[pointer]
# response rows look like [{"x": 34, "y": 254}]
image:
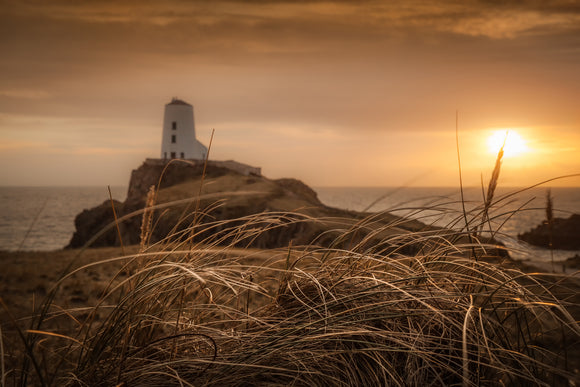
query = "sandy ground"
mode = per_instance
[{"x": 27, "y": 277}]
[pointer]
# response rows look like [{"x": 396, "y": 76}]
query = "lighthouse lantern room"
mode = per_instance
[{"x": 178, "y": 139}]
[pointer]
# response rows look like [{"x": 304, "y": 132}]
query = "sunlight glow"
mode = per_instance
[{"x": 514, "y": 143}]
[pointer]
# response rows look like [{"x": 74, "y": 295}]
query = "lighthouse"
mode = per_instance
[{"x": 178, "y": 139}]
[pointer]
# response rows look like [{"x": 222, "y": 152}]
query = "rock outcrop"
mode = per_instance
[
  {"x": 227, "y": 194},
  {"x": 572, "y": 262},
  {"x": 563, "y": 233}
]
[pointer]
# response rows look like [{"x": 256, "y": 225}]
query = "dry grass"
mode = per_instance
[
  {"x": 353, "y": 307},
  {"x": 211, "y": 314}
]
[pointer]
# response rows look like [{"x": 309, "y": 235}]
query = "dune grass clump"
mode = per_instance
[{"x": 214, "y": 312}]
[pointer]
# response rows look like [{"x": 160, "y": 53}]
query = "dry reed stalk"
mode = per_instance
[
  {"x": 550, "y": 221},
  {"x": 491, "y": 190},
  {"x": 32, "y": 225},
  {"x": 285, "y": 276},
  {"x": 474, "y": 255},
  {"x": 2, "y": 363},
  {"x": 116, "y": 220},
  {"x": 465, "y": 353},
  {"x": 549, "y": 207},
  {"x": 493, "y": 181},
  {"x": 147, "y": 219},
  {"x": 198, "y": 201}
]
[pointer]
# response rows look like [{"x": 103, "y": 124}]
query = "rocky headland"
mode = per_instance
[
  {"x": 562, "y": 234},
  {"x": 229, "y": 191}
]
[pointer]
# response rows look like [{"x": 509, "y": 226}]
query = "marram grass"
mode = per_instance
[{"x": 200, "y": 309}]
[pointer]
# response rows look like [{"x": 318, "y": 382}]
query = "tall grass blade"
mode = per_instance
[
  {"x": 116, "y": 220},
  {"x": 492, "y": 187},
  {"x": 550, "y": 222},
  {"x": 32, "y": 224},
  {"x": 2, "y": 361},
  {"x": 147, "y": 219},
  {"x": 461, "y": 183}
]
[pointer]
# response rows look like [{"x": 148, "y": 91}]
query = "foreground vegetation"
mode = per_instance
[
  {"x": 364, "y": 303},
  {"x": 183, "y": 312}
]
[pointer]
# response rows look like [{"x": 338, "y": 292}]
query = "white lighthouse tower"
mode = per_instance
[{"x": 178, "y": 139}]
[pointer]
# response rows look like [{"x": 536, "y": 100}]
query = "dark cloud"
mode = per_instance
[
  {"x": 557, "y": 6},
  {"x": 362, "y": 15},
  {"x": 343, "y": 63}
]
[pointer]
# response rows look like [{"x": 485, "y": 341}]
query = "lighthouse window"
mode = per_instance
[
  {"x": 182, "y": 155},
  {"x": 174, "y": 125},
  {"x": 173, "y": 138}
]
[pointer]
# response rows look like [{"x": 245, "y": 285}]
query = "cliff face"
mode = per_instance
[
  {"x": 90, "y": 222},
  {"x": 227, "y": 194},
  {"x": 149, "y": 173}
]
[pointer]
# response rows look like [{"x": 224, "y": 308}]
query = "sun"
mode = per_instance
[{"x": 514, "y": 143}]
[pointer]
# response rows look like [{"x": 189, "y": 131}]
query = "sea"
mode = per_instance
[{"x": 42, "y": 218}]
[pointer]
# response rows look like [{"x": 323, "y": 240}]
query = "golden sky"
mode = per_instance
[{"x": 341, "y": 93}]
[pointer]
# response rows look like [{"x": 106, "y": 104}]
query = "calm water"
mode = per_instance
[{"x": 42, "y": 218}]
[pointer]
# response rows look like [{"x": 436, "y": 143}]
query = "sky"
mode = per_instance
[{"x": 334, "y": 93}]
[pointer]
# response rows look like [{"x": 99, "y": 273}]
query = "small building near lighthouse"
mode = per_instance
[{"x": 179, "y": 141}]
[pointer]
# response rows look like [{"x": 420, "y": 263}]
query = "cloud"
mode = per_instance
[
  {"x": 78, "y": 37},
  {"x": 107, "y": 151},
  {"x": 7, "y": 145},
  {"x": 31, "y": 121},
  {"x": 337, "y": 18},
  {"x": 508, "y": 24},
  {"x": 25, "y": 93}
]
